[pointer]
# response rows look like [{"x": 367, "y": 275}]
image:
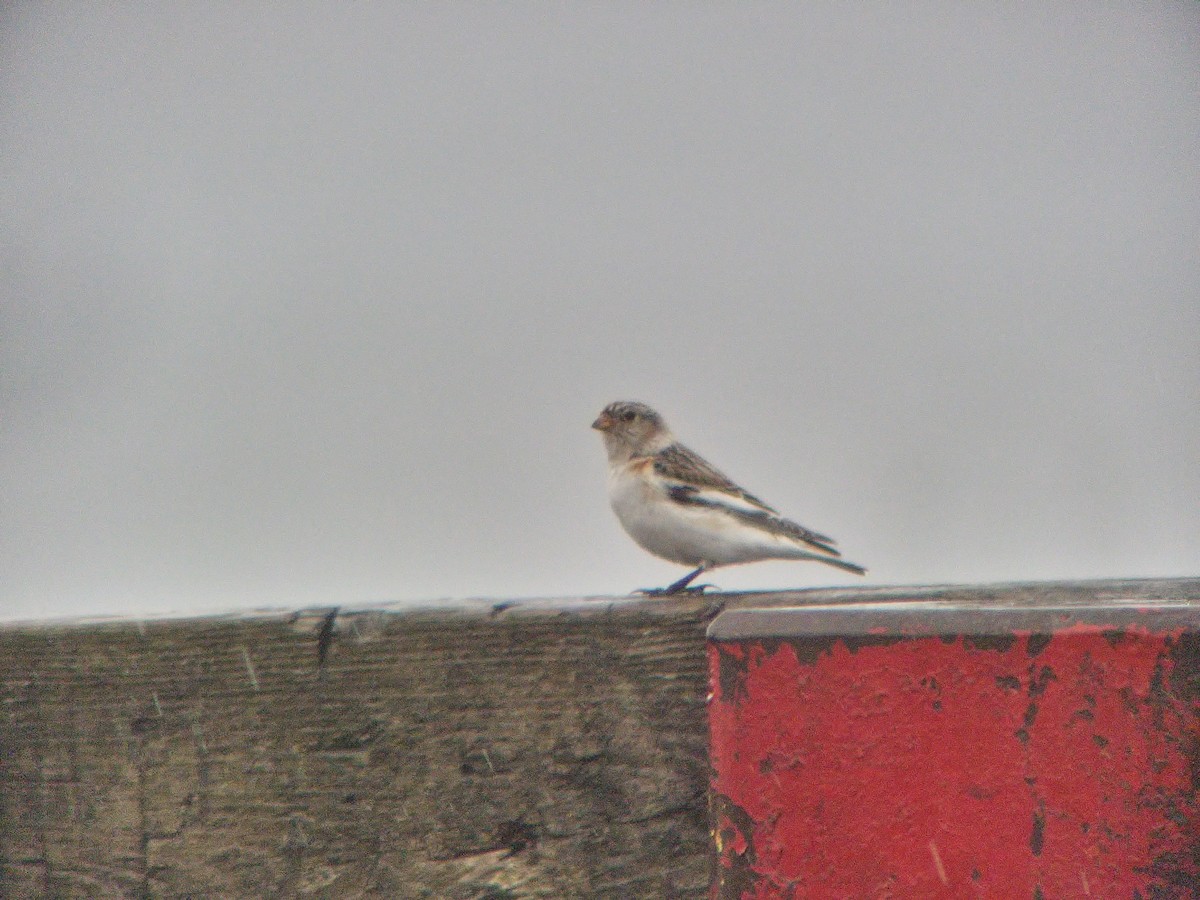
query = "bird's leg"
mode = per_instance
[{"x": 680, "y": 586}]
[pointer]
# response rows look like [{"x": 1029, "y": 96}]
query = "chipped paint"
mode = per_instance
[{"x": 881, "y": 765}]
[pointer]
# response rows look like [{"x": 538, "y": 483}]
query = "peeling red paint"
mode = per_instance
[{"x": 958, "y": 767}]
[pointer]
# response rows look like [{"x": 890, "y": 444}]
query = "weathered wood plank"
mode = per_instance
[
  {"x": 536, "y": 752},
  {"x": 541, "y": 749}
]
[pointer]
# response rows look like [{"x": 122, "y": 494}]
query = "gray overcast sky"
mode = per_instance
[{"x": 314, "y": 303}]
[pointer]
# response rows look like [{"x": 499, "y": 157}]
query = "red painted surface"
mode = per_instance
[{"x": 928, "y": 767}]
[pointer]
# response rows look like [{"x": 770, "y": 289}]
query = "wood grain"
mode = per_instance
[
  {"x": 552, "y": 749},
  {"x": 549, "y": 751}
]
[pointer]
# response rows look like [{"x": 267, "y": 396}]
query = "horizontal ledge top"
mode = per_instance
[
  {"x": 936, "y": 618},
  {"x": 855, "y": 602}
]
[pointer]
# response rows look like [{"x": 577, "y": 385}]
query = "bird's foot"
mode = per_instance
[{"x": 680, "y": 586}]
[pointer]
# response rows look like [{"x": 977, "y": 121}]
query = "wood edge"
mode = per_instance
[{"x": 1106, "y": 590}]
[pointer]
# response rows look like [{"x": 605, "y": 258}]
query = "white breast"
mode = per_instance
[{"x": 689, "y": 535}]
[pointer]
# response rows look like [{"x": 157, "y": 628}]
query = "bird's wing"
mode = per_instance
[
  {"x": 679, "y": 465},
  {"x": 689, "y": 479}
]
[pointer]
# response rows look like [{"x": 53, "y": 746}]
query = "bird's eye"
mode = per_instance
[{"x": 629, "y": 416}]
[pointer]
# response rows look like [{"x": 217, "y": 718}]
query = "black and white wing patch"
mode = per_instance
[{"x": 690, "y": 480}]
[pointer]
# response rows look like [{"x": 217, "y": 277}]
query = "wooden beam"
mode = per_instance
[
  {"x": 523, "y": 749},
  {"x": 528, "y": 750},
  {"x": 941, "y": 749}
]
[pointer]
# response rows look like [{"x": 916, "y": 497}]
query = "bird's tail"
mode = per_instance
[{"x": 830, "y": 560}]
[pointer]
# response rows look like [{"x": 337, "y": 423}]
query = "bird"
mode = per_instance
[{"x": 678, "y": 506}]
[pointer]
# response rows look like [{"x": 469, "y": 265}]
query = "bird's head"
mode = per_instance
[{"x": 631, "y": 429}]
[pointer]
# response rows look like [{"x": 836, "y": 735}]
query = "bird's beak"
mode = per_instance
[{"x": 603, "y": 422}]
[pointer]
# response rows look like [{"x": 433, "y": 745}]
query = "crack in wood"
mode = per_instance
[
  {"x": 138, "y": 749},
  {"x": 325, "y": 637}
]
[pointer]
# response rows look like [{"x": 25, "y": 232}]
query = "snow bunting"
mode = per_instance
[{"x": 677, "y": 506}]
